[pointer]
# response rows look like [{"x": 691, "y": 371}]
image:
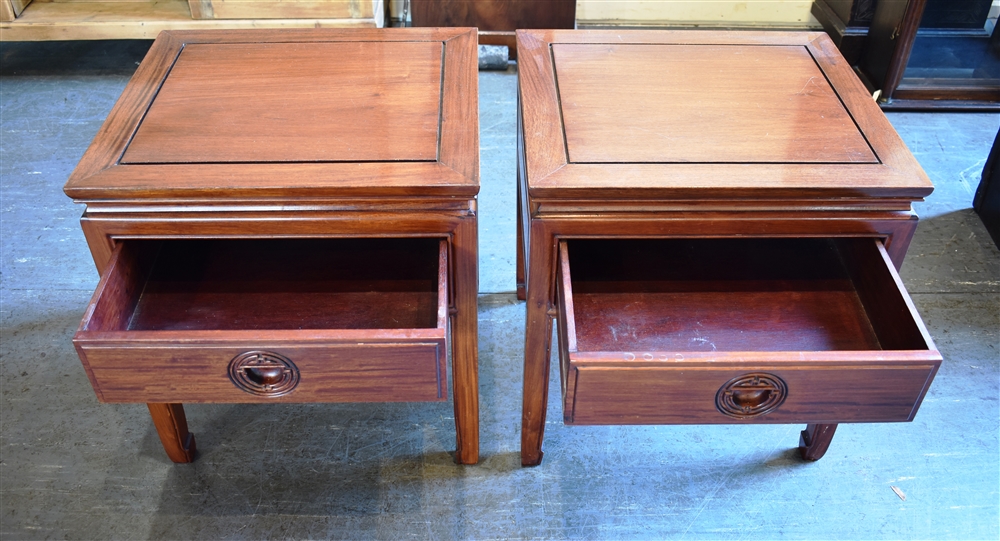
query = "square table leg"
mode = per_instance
[
  {"x": 537, "y": 344},
  {"x": 465, "y": 378}
]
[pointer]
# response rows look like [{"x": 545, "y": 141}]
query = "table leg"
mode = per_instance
[
  {"x": 465, "y": 353},
  {"x": 520, "y": 247},
  {"x": 815, "y": 440},
  {"x": 171, "y": 425},
  {"x": 537, "y": 345}
]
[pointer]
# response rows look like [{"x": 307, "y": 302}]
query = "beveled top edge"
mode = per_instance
[
  {"x": 272, "y": 35},
  {"x": 902, "y": 174},
  {"x": 458, "y": 155},
  {"x": 673, "y": 37}
]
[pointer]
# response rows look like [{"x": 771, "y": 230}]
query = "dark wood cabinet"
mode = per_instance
[
  {"x": 494, "y": 15},
  {"x": 847, "y": 22},
  {"x": 987, "y": 199},
  {"x": 933, "y": 54},
  {"x": 496, "y": 19}
]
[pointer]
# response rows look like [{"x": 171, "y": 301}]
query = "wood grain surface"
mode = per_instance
[
  {"x": 651, "y": 330},
  {"x": 294, "y": 284},
  {"x": 703, "y": 114},
  {"x": 295, "y": 102},
  {"x": 876, "y": 392},
  {"x": 168, "y": 317},
  {"x": 329, "y": 372},
  {"x": 700, "y": 103},
  {"x": 91, "y": 20},
  {"x": 308, "y": 113},
  {"x": 738, "y": 135},
  {"x": 491, "y": 15},
  {"x": 351, "y": 343},
  {"x": 712, "y": 296}
]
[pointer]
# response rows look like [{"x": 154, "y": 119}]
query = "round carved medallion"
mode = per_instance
[
  {"x": 751, "y": 395},
  {"x": 263, "y": 373}
]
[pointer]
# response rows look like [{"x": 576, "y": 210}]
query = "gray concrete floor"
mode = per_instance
[{"x": 73, "y": 468}]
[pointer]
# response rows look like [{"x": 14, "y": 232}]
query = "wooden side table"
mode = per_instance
[
  {"x": 287, "y": 216},
  {"x": 714, "y": 220}
]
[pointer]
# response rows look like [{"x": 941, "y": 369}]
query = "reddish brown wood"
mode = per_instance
[
  {"x": 716, "y": 295},
  {"x": 550, "y": 171},
  {"x": 492, "y": 15},
  {"x": 885, "y": 300},
  {"x": 171, "y": 425},
  {"x": 293, "y": 284},
  {"x": 685, "y": 392},
  {"x": 324, "y": 167},
  {"x": 945, "y": 92},
  {"x": 519, "y": 248},
  {"x": 788, "y": 113},
  {"x": 506, "y": 38},
  {"x": 256, "y": 103},
  {"x": 465, "y": 330},
  {"x": 120, "y": 288},
  {"x": 669, "y": 141},
  {"x": 815, "y": 440},
  {"x": 650, "y": 330},
  {"x": 194, "y": 369},
  {"x": 341, "y": 238},
  {"x": 314, "y": 303}
]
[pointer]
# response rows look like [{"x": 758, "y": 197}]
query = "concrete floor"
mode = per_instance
[{"x": 73, "y": 468}]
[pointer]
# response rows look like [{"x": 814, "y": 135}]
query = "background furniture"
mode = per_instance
[
  {"x": 933, "y": 54},
  {"x": 987, "y": 200},
  {"x": 271, "y": 226},
  {"x": 44, "y": 20},
  {"x": 846, "y": 21},
  {"x": 496, "y": 19},
  {"x": 715, "y": 220}
]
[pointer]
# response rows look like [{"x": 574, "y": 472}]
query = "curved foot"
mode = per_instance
[
  {"x": 533, "y": 460},
  {"x": 171, "y": 425},
  {"x": 815, "y": 440}
]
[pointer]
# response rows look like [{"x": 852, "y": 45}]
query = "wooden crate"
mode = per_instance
[
  {"x": 11, "y": 9},
  {"x": 362, "y": 10},
  {"x": 43, "y": 20}
]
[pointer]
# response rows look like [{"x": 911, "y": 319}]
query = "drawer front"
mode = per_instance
[
  {"x": 707, "y": 331},
  {"x": 309, "y": 320},
  {"x": 322, "y": 373},
  {"x": 781, "y": 394}
]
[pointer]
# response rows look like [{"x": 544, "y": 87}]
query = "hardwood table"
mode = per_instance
[
  {"x": 715, "y": 221},
  {"x": 287, "y": 216}
]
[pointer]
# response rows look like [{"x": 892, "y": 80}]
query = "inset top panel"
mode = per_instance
[
  {"x": 295, "y": 102},
  {"x": 292, "y": 114},
  {"x": 689, "y": 114},
  {"x": 671, "y": 103}
]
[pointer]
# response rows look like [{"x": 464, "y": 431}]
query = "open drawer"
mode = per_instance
[
  {"x": 699, "y": 331},
  {"x": 263, "y": 320}
]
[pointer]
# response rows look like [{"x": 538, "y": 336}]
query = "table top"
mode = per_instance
[
  {"x": 312, "y": 113},
  {"x": 703, "y": 114}
]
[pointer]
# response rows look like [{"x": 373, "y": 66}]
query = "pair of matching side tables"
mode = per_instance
[{"x": 714, "y": 220}]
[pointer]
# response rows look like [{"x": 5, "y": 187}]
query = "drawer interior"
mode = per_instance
[
  {"x": 703, "y": 295},
  {"x": 274, "y": 284}
]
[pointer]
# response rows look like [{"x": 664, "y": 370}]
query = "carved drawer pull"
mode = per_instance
[
  {"x": 751, "y": 395},
  {"x": 263, "y": 373}
]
